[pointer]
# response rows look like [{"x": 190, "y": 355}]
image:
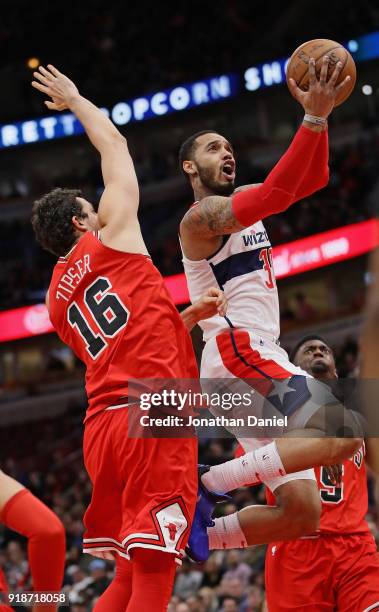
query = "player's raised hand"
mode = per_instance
[
  {"x": 320, "y": 98},
  {"x": 55, "y": 85}
]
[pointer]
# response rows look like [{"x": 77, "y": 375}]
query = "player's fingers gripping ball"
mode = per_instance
[{"x": 298, "y": 66}]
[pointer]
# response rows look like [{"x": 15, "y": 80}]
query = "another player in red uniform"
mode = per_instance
[
  {"x": 3, "y": 593},
  {"x": 109, "y": 303},
  {"x": 370, "y": 361},
  {"x": 336, "y": 568},
  {"x": 21, "y": 511}
]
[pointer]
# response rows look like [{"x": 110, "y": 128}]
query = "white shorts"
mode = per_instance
[{"x": 241, "y": 354}]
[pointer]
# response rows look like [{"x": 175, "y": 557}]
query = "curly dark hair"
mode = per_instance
[{"x": 52, "y": 219}]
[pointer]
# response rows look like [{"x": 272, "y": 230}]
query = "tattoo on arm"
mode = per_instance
[{"x": 213, "y": 216}]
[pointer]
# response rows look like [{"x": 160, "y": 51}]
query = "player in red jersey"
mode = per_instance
[
  {"x": 370, "y": 361},
  {"x": 109, "y": 303},
  {"x": 336, "y": 568},
  {"x": 21, "y": 511},
  {"x": 3, "y": 593}
]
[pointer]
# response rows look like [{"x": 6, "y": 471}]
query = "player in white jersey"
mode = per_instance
[{"x": 224, "y": 241}]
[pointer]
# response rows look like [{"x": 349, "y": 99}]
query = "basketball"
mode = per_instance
[{"x": 297, "y": 67}]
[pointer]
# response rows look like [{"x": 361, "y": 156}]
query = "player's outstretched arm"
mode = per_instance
[
  {"x": 212, "y": 303},
  {"x": 119, "y": 202},
  {"x": 317, "y": 175},
  {"x": 287, "y": 182}
]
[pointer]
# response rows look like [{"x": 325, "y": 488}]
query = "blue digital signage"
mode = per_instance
[{"x": 172, "y": 100}]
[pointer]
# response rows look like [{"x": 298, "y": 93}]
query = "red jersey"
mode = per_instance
[
  {"x": 3, "y": 583},
  {"x": 113, "y": 309},
  {"x": 3, "y": 593},
  {"x": 344, "y": 507}
]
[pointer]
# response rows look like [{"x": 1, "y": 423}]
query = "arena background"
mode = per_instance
[{"x": 164, "y": 71}]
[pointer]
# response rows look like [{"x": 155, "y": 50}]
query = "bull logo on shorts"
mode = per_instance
[
  {"x": 172, "y": 519},
  {"x": 172, "y": 529}
]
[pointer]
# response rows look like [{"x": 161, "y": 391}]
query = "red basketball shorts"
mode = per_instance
[
  {"x": 144, "y": 490},
  {"x": 324, "y": 574}
]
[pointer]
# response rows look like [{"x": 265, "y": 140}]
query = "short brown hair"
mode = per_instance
[{"x": 52, "y": 219}]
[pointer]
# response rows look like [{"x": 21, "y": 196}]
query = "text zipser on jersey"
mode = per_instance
[
  {"x": 113, "y": 309},
  {"x": 243, "y": 269}
]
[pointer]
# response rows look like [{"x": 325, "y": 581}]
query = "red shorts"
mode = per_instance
[
  {"x": 144, "y": 490},
  {"x": 323, "y": 574}
]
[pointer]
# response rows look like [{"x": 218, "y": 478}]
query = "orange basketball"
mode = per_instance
[{"x": 297, "y": 67}]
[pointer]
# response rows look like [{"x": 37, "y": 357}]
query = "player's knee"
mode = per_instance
[
  {"x": 304, "y": 515},
  {"x": 340, "y": 449},
  {"x": 53, "y": 531},
  {"x": 301, "y": 506},
  {"x": 152, "y": 561}
]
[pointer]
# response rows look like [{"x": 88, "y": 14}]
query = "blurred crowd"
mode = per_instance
[
  {"x": 349, "y": 197},
  {"x": 49, "y": 461},
  {"x": 118, "y": 46}
]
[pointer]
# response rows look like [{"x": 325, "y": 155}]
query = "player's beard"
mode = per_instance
[{"x": 217, "y": 188}]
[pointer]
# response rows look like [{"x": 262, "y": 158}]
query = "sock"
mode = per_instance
[
  {"x": 226, "y": 533},
  {"x": 116, "y": 597},
  {"x": 153, "y": 580},
  {"x": 28, "y": 516},
  {"x": 254, "y": 467}
]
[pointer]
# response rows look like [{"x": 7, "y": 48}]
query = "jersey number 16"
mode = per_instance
[{"x": 107, "y": 311}]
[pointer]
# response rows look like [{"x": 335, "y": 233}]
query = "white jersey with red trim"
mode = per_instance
[{"x": 243, "y": 269}]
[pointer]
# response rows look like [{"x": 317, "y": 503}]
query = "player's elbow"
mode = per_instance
[
  {"x": 113, "y": 142},
  {"x": 118, "y": 140}
]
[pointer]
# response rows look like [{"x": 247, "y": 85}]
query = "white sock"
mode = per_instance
[
  {"x": 256, "y": 466},
  {"x": 226, "y": 533}
]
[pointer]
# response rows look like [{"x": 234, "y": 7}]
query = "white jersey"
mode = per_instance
[{"x": 243, "y": 269}]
